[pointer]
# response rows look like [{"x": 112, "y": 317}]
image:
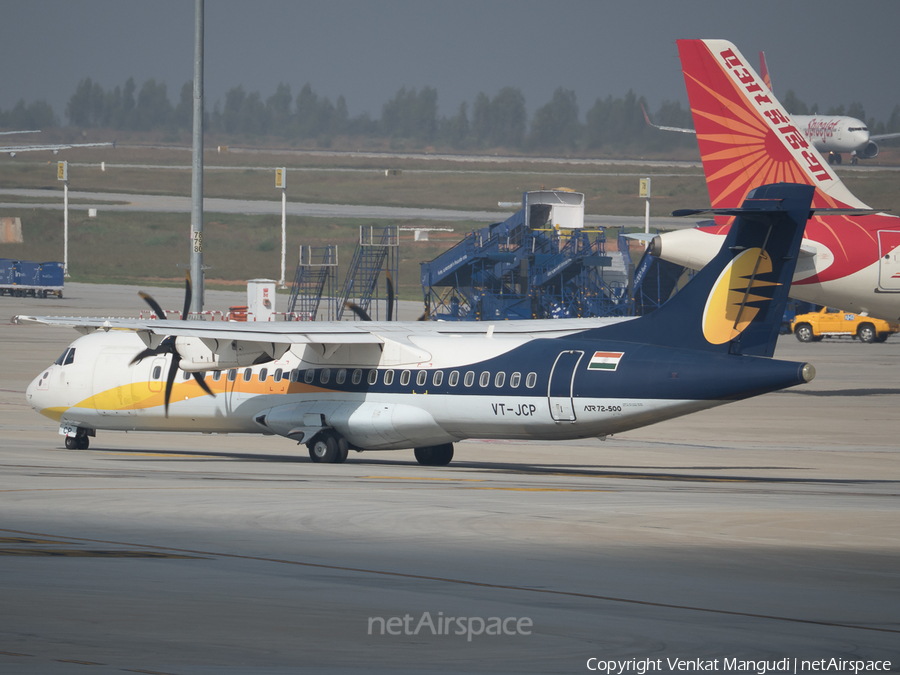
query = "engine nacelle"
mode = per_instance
[
  {"x": 198, "y": 354},
  {"x": 868, "y": 151}
]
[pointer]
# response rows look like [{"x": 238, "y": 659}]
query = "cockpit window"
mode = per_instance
[{"x": 66, "y": 357}]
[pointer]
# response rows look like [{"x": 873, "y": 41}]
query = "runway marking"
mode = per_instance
[
  {"x": 461, "y": 480},
  {"x": 466, "y": 582},
  {"x": 85, "y": 553},
  {"x": 83, "y": 663},
  {"x": 15, "y": 654}
]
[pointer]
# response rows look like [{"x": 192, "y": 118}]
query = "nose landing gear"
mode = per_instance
[{"x": 80, "y": 441}]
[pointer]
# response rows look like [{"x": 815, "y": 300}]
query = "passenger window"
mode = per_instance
[
  {"x": 295, "y": 375},
  {"x": 277, "y": 375},
  {"x": 309, "y": 376},
  {"x": 500, "y": 379},
  {"x": 454, "y": 378},
  {"x": 263, "y": 374},
  {"x": 157, "y": 371},
  {"x": 438, "y": 378},
  {"x": 217, "y": 375},
  {"x": 373, "y": 376},
  {"x": 421, "y": 378},
  {"x": 248, "y": 373},
  {"x": 232, "y": 375},
  {"x": 515, "y": 380},
  {"x": 404, "y": 378},
  {"x": 70, "y": 356},
  {"x": 389, "y": 377},
  {"x": 531, "y": 380},
  {"x": 485, "y": 379},
  {"x": 325, "y": 376},
  {"x": 341, "y": 376},
  {"x": 470, "y": 379},
  {"x": 357, "y": 376}
]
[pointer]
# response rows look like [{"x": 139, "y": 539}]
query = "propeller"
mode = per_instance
[
  {"x": 362, "y": 315},
  {"x": 390, "y": 296},
  {"x": 358, "y": 311},
  {"x": 167, "y": 345}
]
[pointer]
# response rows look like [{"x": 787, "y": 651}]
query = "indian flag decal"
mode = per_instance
[{"x": 605, "y": 360}]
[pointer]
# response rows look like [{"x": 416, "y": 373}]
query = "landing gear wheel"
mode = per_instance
[
  {"x": 343, "y": 449},
  {"x": 804, "y": 332},
  {"x": 71, "y": 443},
  {"x": 867, "y": 333},
  {"x": 324, "y": 449},
  {"x": 854, "y": 161},
  {"x": 435, "y": 455},
  {"x": 82, "y": 442}
]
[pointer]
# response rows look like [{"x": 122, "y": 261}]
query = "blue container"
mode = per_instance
[
  {"x": 28, "y": 273},
  {"x": 51, "y": 274},
  {"x": 7, "y": 271}
]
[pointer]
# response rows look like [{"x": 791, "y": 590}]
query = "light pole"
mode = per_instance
[
  {"x": 62, "y": 173},
  {"x": 280, "y": 182}
]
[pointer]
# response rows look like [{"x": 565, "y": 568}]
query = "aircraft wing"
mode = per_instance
[
  {"x": 881, "y": 137},
  {"x": 301, "y": 333},
  {"x": 657, "y": 126},
  {"x": 16, "y": 149}
]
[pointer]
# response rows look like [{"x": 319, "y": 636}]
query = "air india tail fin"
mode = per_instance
[
  {"x": 746, "y": 137},
  {"x": 736, "y": 302}
]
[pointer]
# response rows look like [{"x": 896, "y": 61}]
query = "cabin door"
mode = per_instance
[
  {"x": 889, "y": 267},
  {"x": 562, "y": 379}
]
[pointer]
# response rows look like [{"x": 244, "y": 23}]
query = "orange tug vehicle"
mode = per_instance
[{"x": 832, "y": 322}]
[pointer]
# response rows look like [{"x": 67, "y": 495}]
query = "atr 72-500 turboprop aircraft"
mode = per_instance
[
  {"x": 747, "y": 139},
  {"x": 390, "y": 385}
]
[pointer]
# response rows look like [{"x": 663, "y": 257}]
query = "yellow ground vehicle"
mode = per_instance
[{"x": 829, "y": 321}]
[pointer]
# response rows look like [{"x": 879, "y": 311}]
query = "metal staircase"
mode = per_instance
[
  {"x": 377, "y": 250},
  {"x": 313, "y": 282}
]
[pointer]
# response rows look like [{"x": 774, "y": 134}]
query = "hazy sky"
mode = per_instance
[{"x": 830, "y": 52}]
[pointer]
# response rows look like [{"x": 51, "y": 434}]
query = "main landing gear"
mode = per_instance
[
  {"x": 435, "y": 455},
  {"x": 328, "y": 448},
  {"x": 835, "y": 158}
]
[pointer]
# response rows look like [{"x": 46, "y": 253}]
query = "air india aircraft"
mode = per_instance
[
  {"x": 747, "y": 139},
  {"x": 340, "y": 386},
  {"x": 834, "y": 134}
]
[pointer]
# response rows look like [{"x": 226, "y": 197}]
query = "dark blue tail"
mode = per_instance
[{"x": 735, "y": 303}]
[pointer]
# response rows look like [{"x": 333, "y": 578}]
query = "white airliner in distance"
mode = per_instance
[
  {"x": 746, "y": 139},
  {"x": 834, "y": 134},
  {"x": 13, "y": 150},
  {"x": 338, "y": 386}
]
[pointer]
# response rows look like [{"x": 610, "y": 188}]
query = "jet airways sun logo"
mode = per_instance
[{"x": 734, "y": 302}]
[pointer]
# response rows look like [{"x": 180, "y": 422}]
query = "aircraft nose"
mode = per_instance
[{"x": 34, "y": 395}]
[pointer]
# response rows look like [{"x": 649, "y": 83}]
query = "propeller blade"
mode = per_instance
[
  {"x": 170, "y": 380},
  {"x": 358, "y": 311},
  {"x": 164, "y": 347},
  {"x": 187, "y": 296},
  {"x": 153, "y": 305},
  {"x": 425, "y": 315},
  {"x": 390, "y": 296},
  {"x": 202, "y": 382}
]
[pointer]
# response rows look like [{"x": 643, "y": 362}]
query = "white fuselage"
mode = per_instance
[{"x": 833, "y": 133}]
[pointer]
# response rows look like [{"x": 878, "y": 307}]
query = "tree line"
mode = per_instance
[{"x": 410, "y": 115}]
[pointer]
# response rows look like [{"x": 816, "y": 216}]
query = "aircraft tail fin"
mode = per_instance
[
  {"x": 746, "y": 137},
  {"x": 735, "y": 304},
  {"x": 764, "y": 71}
]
